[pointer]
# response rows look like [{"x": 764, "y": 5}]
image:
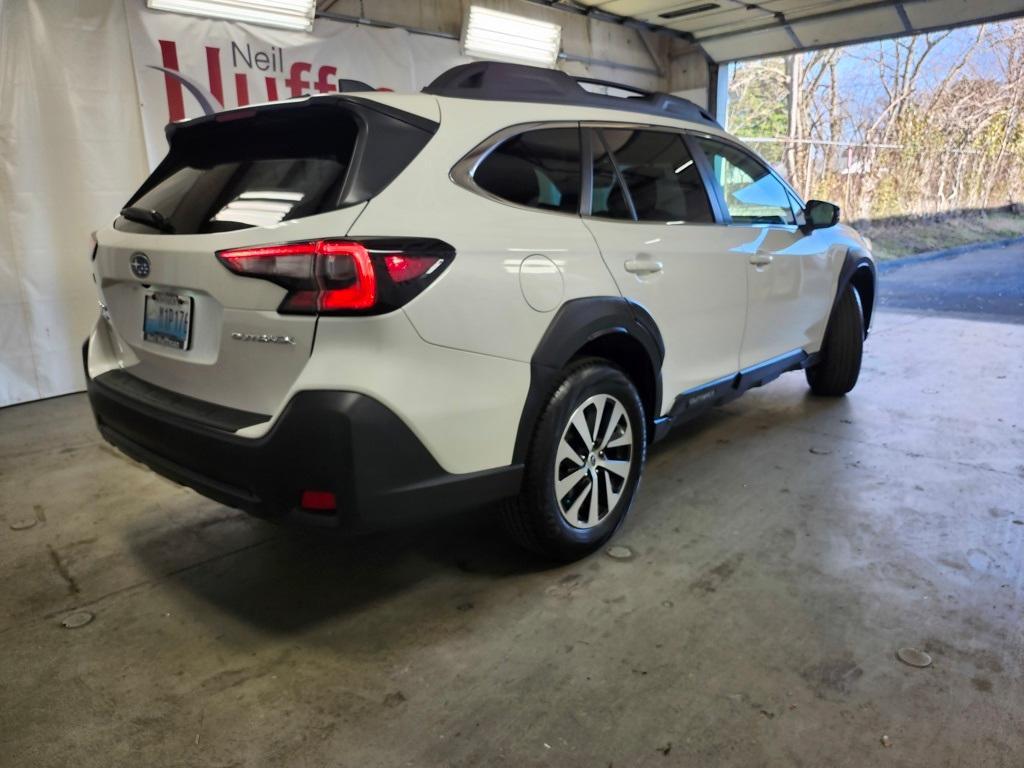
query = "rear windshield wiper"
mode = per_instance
[{"x": 153, "y": 219}]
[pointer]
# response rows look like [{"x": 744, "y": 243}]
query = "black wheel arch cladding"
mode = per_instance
[
  {"x": 858, "y": 270},
  {"x": 605, "y": 326}
]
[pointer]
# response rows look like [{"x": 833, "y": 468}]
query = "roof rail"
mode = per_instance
[{"x": 498, "y": 81}]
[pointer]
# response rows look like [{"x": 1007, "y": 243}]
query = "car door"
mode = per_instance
[
  {"x": 789, "y": 274},
  {"x": 649, "y": 211}
]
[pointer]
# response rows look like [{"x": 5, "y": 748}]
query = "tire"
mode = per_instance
[
  {"x": 837, "y": 371},
  {"x": 566, "y": 522}
]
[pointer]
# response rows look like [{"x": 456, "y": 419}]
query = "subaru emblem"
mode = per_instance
[{"x": 140, "y": 265}]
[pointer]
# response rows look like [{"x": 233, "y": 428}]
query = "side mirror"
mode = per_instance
[{"x": 820, "y": 215}]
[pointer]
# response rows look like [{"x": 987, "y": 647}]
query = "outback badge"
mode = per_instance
[{"x": 263, "y": 338}]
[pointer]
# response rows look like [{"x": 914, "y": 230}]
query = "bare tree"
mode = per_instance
[{"x": 895, "y": 127}]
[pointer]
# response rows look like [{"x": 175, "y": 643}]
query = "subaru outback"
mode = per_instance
[{"x": 362, "y": 308}]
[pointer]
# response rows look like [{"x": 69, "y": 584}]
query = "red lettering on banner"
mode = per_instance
[
  {"x": 175, "y": 99},
  {"x": 213, "y": 70},
  {"x": 295, "y": 81},
  {"x": 323, "y": 84},
  {"x": 299, "y": 81},
  {"x": 241, "y": 89}
]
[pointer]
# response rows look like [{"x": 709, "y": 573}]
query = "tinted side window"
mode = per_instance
[
  {"x": 752, "y": 194},
  {"x": 662, "y": 179},
  {"x": 538, "y": 168},
  {"x": 608, "y": 201}
]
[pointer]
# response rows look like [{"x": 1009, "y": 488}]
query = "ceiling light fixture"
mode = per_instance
[
  {"x": 489, "y": 34},
  {"x": 285, "y": 14}
]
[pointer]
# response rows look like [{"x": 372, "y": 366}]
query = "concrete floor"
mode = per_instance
[{"x": 785, "y": 548}]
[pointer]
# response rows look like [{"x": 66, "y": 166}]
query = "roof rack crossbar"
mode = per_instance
[{"x": 499, "y": 81}]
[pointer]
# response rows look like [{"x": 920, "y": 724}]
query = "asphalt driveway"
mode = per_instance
[{"x": 984, "y": 283}]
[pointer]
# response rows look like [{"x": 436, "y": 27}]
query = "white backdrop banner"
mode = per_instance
[
  {"x": 184, "y": 64},
  {"x": 83, "y": 105},
  {"x": 71, "y": 153}
]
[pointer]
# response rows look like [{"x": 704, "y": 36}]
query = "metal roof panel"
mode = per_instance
[{"x": 743, "y": 29}]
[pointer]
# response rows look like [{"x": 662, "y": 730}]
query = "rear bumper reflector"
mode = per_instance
[{"x": 351, "y": 448}]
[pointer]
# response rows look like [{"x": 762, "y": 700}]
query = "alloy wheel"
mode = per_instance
[{"x": 593, "y": 461}]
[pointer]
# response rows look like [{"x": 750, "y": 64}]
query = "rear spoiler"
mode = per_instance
[
  {"x": 390, "y": 138},
  {"x": 330, "y": 99}
]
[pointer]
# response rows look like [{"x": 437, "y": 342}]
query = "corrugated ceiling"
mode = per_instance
[{"x": 742, "y": 29}]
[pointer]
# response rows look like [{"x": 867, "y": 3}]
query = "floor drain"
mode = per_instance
[
  {"x": 76, "y": 619},
  {"x": 620, "y": 553},
  {"x": 914, "y": 657}
]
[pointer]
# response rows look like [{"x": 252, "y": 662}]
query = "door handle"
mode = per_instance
[
  {"x": 760, "y": 259},
  {"x": 643, "y": 266}
]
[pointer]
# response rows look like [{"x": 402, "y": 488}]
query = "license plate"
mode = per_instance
[{"x": 167, "y": 320}]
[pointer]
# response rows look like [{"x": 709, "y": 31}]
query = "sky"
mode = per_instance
[{"x": 984, "y": 63}]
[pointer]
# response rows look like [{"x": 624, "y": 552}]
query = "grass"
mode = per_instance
[{"x": 896, "y": 237}]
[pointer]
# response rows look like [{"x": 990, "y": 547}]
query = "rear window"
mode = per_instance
[
  {"x": 250, "y": 172},
  {"x": 275, "y": 162}
]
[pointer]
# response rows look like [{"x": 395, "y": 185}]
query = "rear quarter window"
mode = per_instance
[{"x": 538, "y": 169}]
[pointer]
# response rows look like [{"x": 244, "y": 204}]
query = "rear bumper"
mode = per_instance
[{"x": 342, "y": 442}]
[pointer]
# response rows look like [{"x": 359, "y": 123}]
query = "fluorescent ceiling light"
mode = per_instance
[
  {"x": 490, "y": 34},
  {"x": 286, "y": 14}
]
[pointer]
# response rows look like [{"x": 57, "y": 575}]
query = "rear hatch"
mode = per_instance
[{"x": 185, "y": 319}]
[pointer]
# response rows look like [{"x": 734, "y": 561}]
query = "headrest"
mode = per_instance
[{"x": 511, "y": 178}]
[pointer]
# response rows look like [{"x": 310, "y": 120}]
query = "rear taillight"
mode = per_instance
[
  {"x": 319, "y": 501},
  {"x": 344, "y": 277}
]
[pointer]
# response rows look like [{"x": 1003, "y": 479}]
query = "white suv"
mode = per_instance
[{"x": 356, "y": 309}]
